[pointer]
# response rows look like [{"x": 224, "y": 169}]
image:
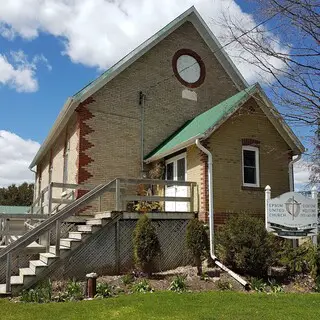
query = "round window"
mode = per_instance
[{"x": 188, "y": 68}]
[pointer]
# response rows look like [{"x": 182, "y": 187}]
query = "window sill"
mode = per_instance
[{"x": 247, "y": 188}]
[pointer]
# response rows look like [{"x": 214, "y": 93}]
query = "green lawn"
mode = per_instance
[{"x": 169, "y": 305}]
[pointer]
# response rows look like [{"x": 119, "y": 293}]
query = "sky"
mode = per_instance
[{"x": 50, "y": 49}]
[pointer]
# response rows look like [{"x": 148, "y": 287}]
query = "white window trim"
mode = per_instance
[
  {"x": 256, "y": 150},
  {"x": 174, "y": 160}
]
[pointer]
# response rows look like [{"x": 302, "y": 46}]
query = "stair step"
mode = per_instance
[
  {"x": 52, "y": 249},
  {"x": 47, "y": 257},
  {"x": 34, "y": 264},
  {"x": 94, "y": 222},
  {"x": 88, "y": 228},
  {"x": 77, "y": 235},
  {"x": 68, "y": 242},
  {"x": 102, "y": 215},
  {"x": 3, "y": 289},
  {"x": 15, "y": 280},
  {"x": 26, "y": 272}
]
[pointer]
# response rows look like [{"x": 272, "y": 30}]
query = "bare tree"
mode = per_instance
[{"x": 290, "y": 61}]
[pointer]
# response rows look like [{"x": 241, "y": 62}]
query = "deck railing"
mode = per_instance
[{"x": 54, "y": 221}]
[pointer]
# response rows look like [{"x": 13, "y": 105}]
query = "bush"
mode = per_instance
[
  {"x": 178, "y": 284},
  {"x": 146, "y": 245},
  {"x": 127, "y": 279},
  {"x": 103, "y": 291},
  {"x": 142, "y": 286},
  {"x": 244, "y": 245},
  {"x": 41, "y": 294},
  {"x": 197, "y": 242},
  {"x": 224, "y": 285},
  {"x": 258, "y": 285},
  {"x": 74, "y": 291}
]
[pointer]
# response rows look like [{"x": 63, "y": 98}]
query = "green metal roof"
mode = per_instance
[
  {"x": 14, "y": 209},
  {"x": 199, "y": 125}
]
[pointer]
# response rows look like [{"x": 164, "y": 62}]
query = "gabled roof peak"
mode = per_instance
[{"x": 190, "y": 15}]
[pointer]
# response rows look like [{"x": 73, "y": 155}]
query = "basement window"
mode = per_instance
[{"x": 250, "y": 166}]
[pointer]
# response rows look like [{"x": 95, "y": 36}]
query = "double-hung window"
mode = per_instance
[{"x": 250, "y": 166}]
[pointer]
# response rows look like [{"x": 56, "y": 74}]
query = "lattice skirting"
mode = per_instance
[
  {"x": 110, "y": 251},
  {"x": 19, "y": 260}
]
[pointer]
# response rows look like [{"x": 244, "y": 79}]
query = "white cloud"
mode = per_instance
[
  {"x": 6, "y": 31},
  {"x": 18, "y": 72},
  {"x": 100, "y": 32},
  {"x": 301, "y": 174},
  {"x": 15, "y": 157}
]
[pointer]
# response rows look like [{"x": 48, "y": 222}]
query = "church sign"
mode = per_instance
[{"x": 292, "y": 215}]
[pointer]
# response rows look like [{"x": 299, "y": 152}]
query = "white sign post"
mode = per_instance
[{"x": 292, "y": 215}]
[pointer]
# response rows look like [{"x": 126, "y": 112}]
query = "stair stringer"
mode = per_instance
[{"x": 60, "y": 261}]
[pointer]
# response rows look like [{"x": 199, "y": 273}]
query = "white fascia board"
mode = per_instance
[
  {"x": 138, "y": 52},
  {"x": 272, "y": 114},
  {"x": 279, "y": 123},
  {"x": 221, "y": 55},
  {"x": 61, "y": 121},
  {"x": 180, "y": 146},
  {"x": 194, "y": 17}
]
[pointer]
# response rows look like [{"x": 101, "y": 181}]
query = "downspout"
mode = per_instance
[
  {"x": 291, "y": 175},
  {"x": 211, "y": 219}
]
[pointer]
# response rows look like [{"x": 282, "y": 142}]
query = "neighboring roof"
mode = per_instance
[
  {"x": 206, "y": 123},
  {"x": 14, "y": 209},
  {"x": 191, "y": 15}
]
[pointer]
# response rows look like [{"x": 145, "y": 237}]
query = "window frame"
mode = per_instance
[
  {"x": 174, "y": 160},
  {"x": 257, "y": 166}
]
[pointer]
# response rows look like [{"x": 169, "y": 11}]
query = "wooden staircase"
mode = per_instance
[
  {"x": 65, "y": 247},
  {"x": 47, "y": 261}
]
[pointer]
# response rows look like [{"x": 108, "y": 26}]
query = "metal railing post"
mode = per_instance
[{"x": 8, "y": 272}]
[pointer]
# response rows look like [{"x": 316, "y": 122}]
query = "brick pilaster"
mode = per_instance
[
  {"x": 204, "y": 191},
  {"x": 83, "y": 129}
]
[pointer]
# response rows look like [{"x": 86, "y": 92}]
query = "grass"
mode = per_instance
[{"x": 169, "y": 305}]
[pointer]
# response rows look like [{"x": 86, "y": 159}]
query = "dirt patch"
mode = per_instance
[
  {"x": 209, "y": 281},
  {"x": 302, "y": 283},
  {"x": 213, "y": 279}
]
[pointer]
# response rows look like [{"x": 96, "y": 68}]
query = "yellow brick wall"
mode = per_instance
[
  {"x": 116, "y": 121},
  {"x": 194, "y": 172},
  {"x": 226, "y": 147},
  {"x": 73, "y": 153},
  {"x": 58, "y": 158},
  {"x": 117, "y": 114}
]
